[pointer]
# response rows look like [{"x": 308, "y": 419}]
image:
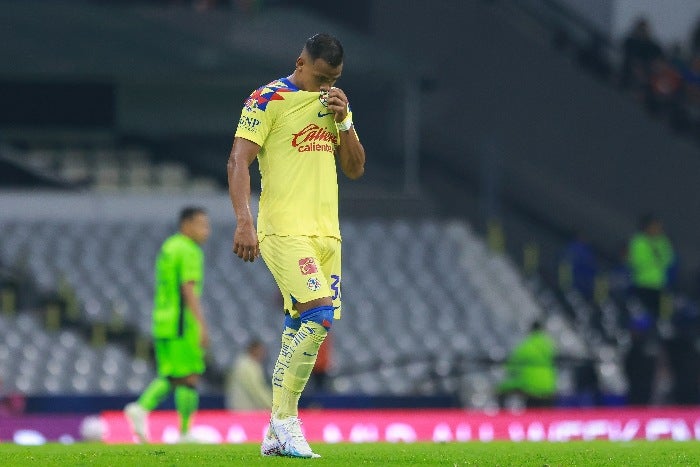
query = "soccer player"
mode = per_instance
[
  {"x": 179, "y": 329},
  {"x": 297, "y": 127}
]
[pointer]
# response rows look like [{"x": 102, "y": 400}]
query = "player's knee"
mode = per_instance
[
  {"x": 292, "y": 323},
  {"x": 322, "y": 315},
  {"x": 188, "y": 381}
]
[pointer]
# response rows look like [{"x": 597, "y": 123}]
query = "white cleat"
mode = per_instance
[
  {"x": 270, "y": 446},
  {"x": 290, "y": 437},
  {"x": 138, "y": 419}
]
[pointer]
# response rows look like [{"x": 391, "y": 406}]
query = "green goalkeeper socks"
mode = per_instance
[
  {"x": 186, "y": 403},
  {"x": 305, "y": 347},
  {"x": 186, "y": 400},
  {"x": 154, "y": 394}
]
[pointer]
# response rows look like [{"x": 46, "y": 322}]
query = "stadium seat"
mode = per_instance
[{"x": 433, "y": 285}]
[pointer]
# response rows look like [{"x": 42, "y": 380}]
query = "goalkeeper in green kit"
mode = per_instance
[{"x": 179, "y": 329}]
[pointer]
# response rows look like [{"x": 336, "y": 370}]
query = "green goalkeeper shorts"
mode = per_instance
[{"x": 178, "y": 358}]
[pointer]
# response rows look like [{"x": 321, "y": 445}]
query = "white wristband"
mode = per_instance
[{"x": 345, "y": 124}]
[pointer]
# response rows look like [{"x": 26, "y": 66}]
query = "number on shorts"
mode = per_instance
[{"x": 335, "y": 286}]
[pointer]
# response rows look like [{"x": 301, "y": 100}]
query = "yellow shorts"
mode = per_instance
[{"x": 305, "y": 268}]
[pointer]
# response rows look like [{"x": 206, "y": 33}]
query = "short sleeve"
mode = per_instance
[
  {"x": 255, "y": 121},
  {"x": 191, "y": 266}
]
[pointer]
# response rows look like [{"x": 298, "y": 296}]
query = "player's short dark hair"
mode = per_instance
[
  {"x": 189, "y": 212},
  {"x": 646, "y": 220},
  {"x": 326, "y": 47},
  {"x": 254, "y": 343}
]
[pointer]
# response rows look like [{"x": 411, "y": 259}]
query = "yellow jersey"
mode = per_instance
[{"x": 298, "y": 140}]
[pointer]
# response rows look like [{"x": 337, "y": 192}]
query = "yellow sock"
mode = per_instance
[
  {"x": 307, "y": 340},
  {"x": 281, "y": 365}
]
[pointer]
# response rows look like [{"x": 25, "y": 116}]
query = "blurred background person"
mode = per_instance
[
  {"x": 640, "y": 50},
  {"x": 530, "y": 369},
  {"x": 246, "y": 386},
  {"x": 640, "y": 361},
  {"x": 691, "y": 94},
  {"x": 179, "y": 329},
  {"x": 650, "y": 257},
  {"x": 580, "y": 258},
  {"x": 683, "y": 354}
]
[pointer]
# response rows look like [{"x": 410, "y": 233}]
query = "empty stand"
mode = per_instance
[
  {"x": 446, "y": 307},
  {"x": 34, "y": 361}
]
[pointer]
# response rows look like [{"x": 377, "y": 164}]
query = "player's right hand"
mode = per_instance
[{"x": 245, "y": 242}]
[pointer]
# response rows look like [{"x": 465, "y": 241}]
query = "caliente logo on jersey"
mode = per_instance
[{"x": 314, "y": 138}]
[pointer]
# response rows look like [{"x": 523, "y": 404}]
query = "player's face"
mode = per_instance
[
  {"x": 199, "y": 228},
  {"x": 317, "y": 74},
  {"x": 656, "y": 228}
]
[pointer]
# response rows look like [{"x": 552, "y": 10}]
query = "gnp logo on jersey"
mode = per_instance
[
  {"x": 313, "y": 284},
  {"x": 249, "y": 123},
  {"x": 314, "y": 138},
  {"x": 307, "y": 266}
]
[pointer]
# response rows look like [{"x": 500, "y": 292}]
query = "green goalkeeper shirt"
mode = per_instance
[
  {"x": 181, "y": 260},
  {"x": 650, "y": 257},
  {"x": 530, "y": 367}
]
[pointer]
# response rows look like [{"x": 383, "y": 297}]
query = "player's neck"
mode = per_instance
[
  {"x": 189, "y": 235},
  {"x": 296, "y": 81}
]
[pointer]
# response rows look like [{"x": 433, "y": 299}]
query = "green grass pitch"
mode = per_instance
[{"x": 497, "y": 453}]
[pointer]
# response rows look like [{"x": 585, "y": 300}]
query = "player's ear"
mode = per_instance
[{"x": 300, "y": 62}]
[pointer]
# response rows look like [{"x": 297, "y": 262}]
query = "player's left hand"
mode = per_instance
[{"x": 338, "y": 103}]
